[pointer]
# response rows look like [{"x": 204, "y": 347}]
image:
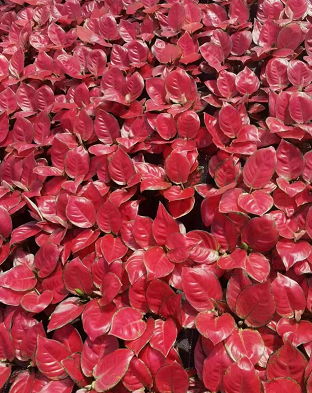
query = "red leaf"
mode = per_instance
[
  {"x": 93, "y": 352},
  {"x": 188, "y": 124},
  {"x": 137, "y": 376},
  {"x": 287, "y": 361},
  {"x": 42, "y": 128},
  {"x": 176, "y": 17},
  {"x": 224, "y": 231},
  {"x": 236, "y": 284},
  {"x": 69, "y": 337},
  {"x": 298, "y": 72},
  {"x": 165, "y": 52},
  {"x": 290, "y": 161},
  {"x": 259, "y": 168},
  {"x": 155, "y": 88},
  {"x": 5, "y": 223},
  {"x": 4, "y": 126},
  {"x": 291, "y": 252},
  {"x": 289, "y": 36},
  {"x": 108, "y": 28},
  {"x": 44, "y": 98},
  {"x": 215, "y": 328},
  {"x": 172, "y": 378},
  {"x": 289, "y": 296},
  {"x": 57, "y": 35},
  {"x": 257, "y": 203},
  {"x": 135, "y": 266},
  {"x": 19, "y": 278},
  {"x": 164, "y": 336},
  {"x": 97, "y": 320},
  {"x": 137, "y": 52},
  {"x": 206, "y": 249},
  {"x": 215, "y": 366},
  {"x": 106, "y": 127},
  {"x": 112, "y": 248},
  {"x": 208, "y": 208},
  {"x": 77, "y": 276},
  {"x": 133, "y": 88},
  {"x": 297, "y": 333},
  {"x": 308, "y": 223},
  {"x": 66, "y": 311},
  {"x": 177, "y": 167},
  {"x": 230, "y": 121},
  {"x": 5, "y": 372},
  {"x": 239, "y": 11},
  {"x": 163, "y": 225},
  {"x": 121, "y": 167},
  {"x": 157, "y": 263},
  {"x": 73, "y": 369},
  {"x": 69, "y": 64},
  {"x": 46, "y": 259},
  {"x": 23, "y": 130},
  {"x": 25, "y": 97},
  {"x": 142, "y": 231},
  {"x": 137, "y": 294},
  {"x": 55, "y": 284},
  {"x": 240, "y": 42},
  {"x": 137, "y": 344},
  {"x": 213, "y": 54},
  {"x": 226, "y": 80},
  {"x": 34, "y": 303},
  {"x": 109, "y": 218},
  {"x": 260, "y": 234},
  {"x": 300, "y": 106},
  {"x": 276, "y": 73},
  {"x": 257, "y": 266},
  {"x": 83, "y": 126},
  {"x": 201, "y": 288},
  {"x": 241, "y": 377},
  {"x": 23, "y": 382},
  {"x": 127, "y": 324},
  {"x": 166, "y": 126},
  {"x": 245, "y": 343},
  {"x": 286, "y": 385},
  {"x": 49, "y": 355},
  {"x": 96, "y": 62},
  {"x": 77, "y": 163},
  {"x": 237, "y": 259},
  {"x": 80, "y": 212},
  {"x": 6, "y": 345},
  {"x": 246, "y": 81},
  {"x": 255, "y": 304},
  {"x": 4, "y": 67},
  {"x": 180, "y": 87},
  {"x": 157, "y": 292},
  {"x": 110, "y": 370},
  {"x": 110, "y": 288}
]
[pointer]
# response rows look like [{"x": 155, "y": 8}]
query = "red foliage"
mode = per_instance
[{"x": 156, "y": 172}]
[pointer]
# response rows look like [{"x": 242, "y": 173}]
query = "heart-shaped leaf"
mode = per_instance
[{"x": 213, "y": 327}]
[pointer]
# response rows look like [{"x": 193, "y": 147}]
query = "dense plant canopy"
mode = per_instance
[{"x": 155, "y": 196}]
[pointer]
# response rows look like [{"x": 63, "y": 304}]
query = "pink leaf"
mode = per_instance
[
  {"x": 172, "y": 378},
  {"x": 241, "y": 377},
  {"x": 215, "y": 328},
  {"x": 255, "y": 304},
  {"x": 127, "y": 324},
  {"x": 110, "y": 370},
  {"x": 80, "y": 212},
  {"x": 201, "y": 288},
  {"x": 259, "y": 168},
  {"x": 49, "y": 355}
]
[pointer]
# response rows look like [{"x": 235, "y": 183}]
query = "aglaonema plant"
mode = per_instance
[{"x": 155, "y": 196}]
